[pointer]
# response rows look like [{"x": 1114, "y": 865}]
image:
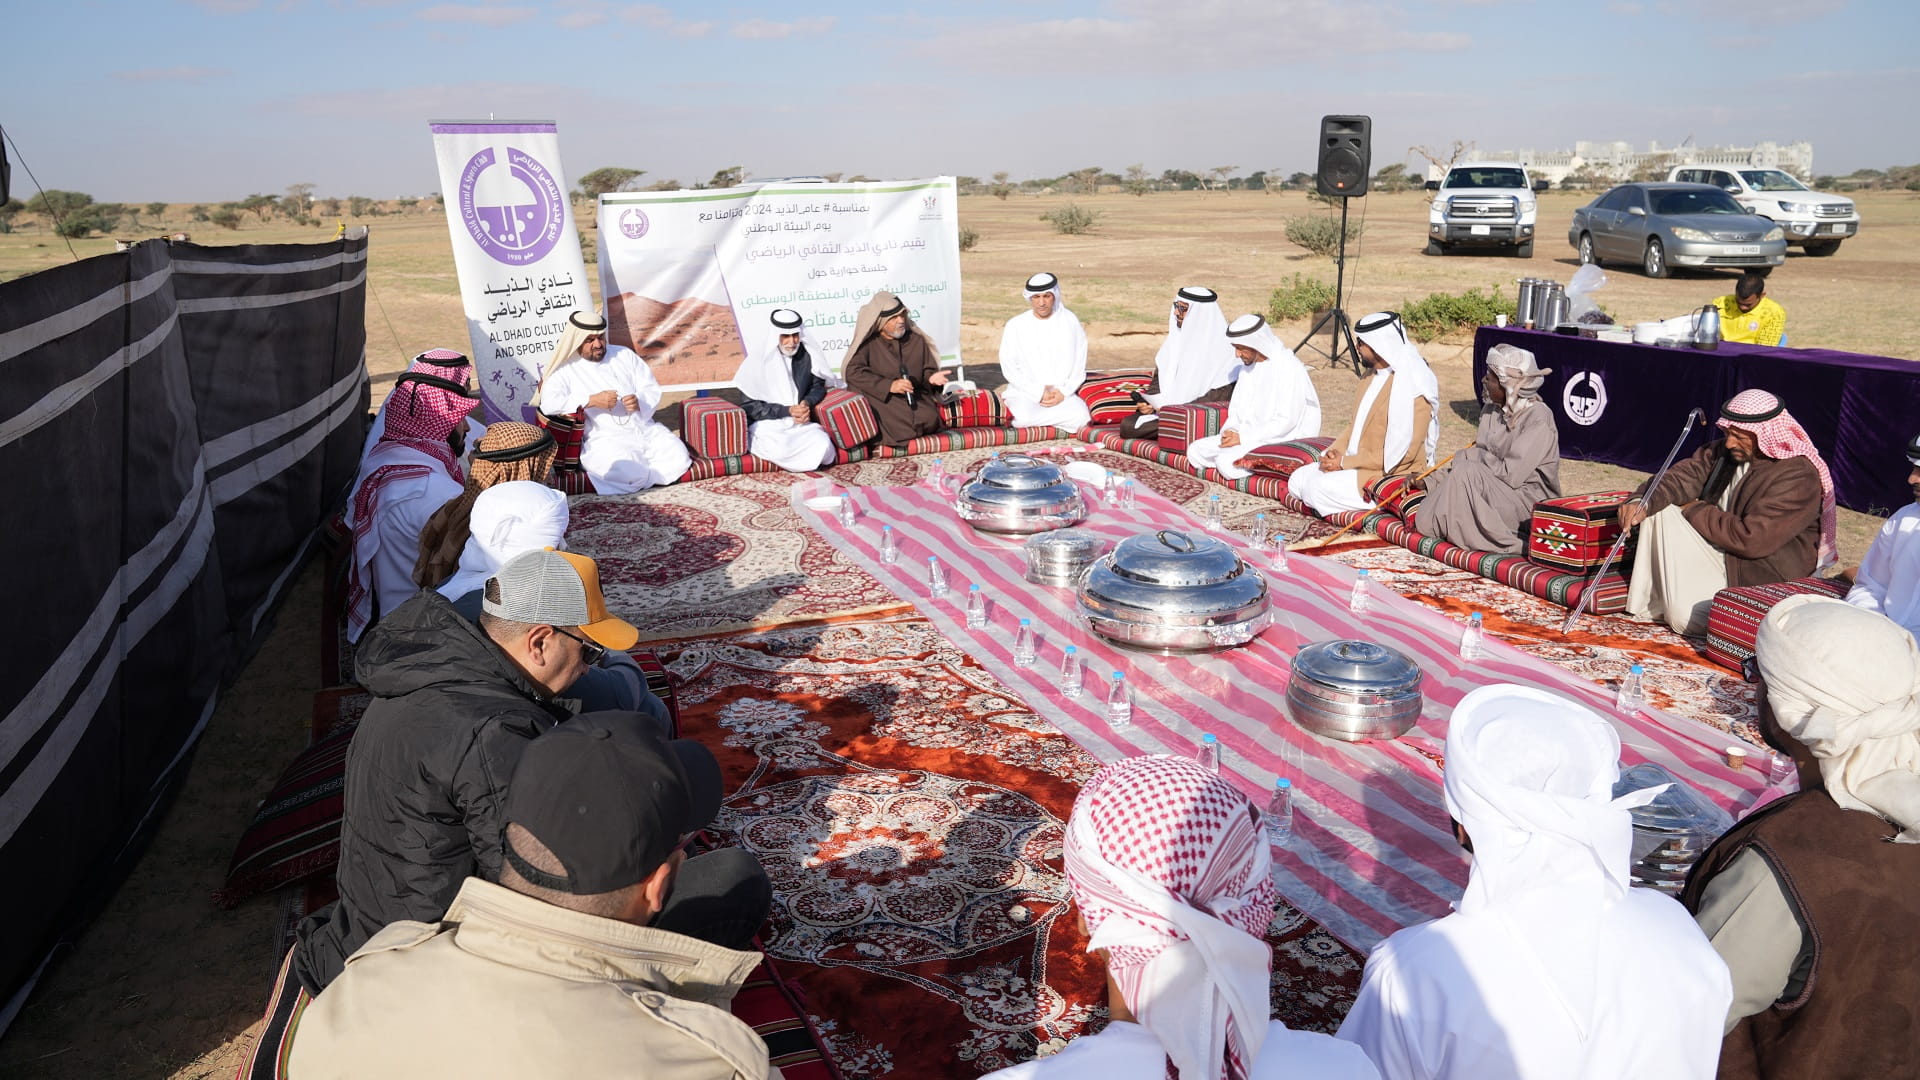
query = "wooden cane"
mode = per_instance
[{"x": 1302, "y": 545}]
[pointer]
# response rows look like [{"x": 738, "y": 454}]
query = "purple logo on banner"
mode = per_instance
[
  {"x": 514, "y": 209},
  {"x": 633, "y": 223},
  {"x": 1585, "y": 398}
]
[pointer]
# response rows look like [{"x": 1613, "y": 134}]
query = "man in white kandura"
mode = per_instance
[
  {"x": 1383, "y": 441},
  {"x": 1889, "y": 578},
  {"x": 1552, "y": 966},
  {"x": 625, "y": 449},
  {"x": 1273, "y": 401},
  {"x": 1043, "y": 355},
  {"x": 779, "y": 389},
  {"x": 1195, "y": 363}
]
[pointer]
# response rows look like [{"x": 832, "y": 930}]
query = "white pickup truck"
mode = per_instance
[
  {"x": 1811, "y": 219},
  {"x": 1483, "y": 204}
]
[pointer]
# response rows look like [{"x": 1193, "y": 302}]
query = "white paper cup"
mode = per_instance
[
  {"x": 1736, "y": 757},
  {"x": 1500, "y": 320}
]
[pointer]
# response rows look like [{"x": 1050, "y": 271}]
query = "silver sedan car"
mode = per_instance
[{"x": 1663, "y": 226}]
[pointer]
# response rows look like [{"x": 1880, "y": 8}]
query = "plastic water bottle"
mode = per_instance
[
  {"x": 937, "y": 474},
  {"x": 1473, "y": 639},
  {"x": 1024, "y": 650},
  {"x": 1279, "y": 816},
  {"x": 889, "y": 545},
  {"x": 1110, "y": 487},
  {"x": 1070, "y": 676},
  {"x": 847, "y": 514},
  {"x": 1129, "y": 494},
  {"x": 1633, "y": 691},
  {"x": 1780, "y": 769},
  {"x": 976, "y": 608},
  {"x": 936, "y": 577},
  {"x": 1279, "y": 551},
  {"x": 1257, "y": 534},
  {"x": 1209, "y": 753},
  {"x": 1362, "y": 601},
  {"x": 1213, "y": 512},
  {"x": 1119, "y": 702}
]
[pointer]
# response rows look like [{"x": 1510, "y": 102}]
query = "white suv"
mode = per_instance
[
  {"x": 1811, "y": 219},
  {"x": 1483, "y": 204}
]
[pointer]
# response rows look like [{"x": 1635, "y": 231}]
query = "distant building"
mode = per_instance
[{"x": 1616, "y": 161}]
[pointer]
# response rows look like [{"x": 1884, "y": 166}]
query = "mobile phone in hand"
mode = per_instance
[{"x": 1138, "y": 397}]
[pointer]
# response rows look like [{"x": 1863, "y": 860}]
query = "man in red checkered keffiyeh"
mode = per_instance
[
  {"x": 1170, "y": 870},
  {"x": 1753, "y": 508}
]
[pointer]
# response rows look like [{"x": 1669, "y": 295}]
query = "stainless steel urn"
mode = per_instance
[
  {"x": 1354, "y": 690},
  {"x": 1019, "y": 493},
  {"x": 1171, "y": 592}
]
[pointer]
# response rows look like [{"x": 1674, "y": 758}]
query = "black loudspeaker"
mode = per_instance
[{"x": 1346, "y": 155}]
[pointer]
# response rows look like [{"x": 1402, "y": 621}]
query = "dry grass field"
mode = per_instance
[{"x": 165, "y": 983}]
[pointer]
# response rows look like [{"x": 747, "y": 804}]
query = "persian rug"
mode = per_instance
[{"x": 910, "y": 811}]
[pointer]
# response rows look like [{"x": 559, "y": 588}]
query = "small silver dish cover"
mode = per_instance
[
  {"x": 1061, "y": 556},
  {"x": 1169, "y": 591},
  {"x": 1354, "y": 690},
  {"x": 1019, "y": 493},
  {"x": 1671, "y": 832}
]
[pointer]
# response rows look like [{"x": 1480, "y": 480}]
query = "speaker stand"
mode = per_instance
[{"x": 1348, "y": 353}]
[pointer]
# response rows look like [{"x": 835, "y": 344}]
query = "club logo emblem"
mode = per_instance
[
  {"x": 1585, "y": 398},
  {"x": 513, "y": 208},
  {"x": 633, "y": 223}
]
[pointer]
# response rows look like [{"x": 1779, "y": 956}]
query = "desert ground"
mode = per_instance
[{"x": 165, "y": 983}]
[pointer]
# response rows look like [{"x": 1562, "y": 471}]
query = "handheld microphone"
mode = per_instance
[{"x": 909, "y": 378}]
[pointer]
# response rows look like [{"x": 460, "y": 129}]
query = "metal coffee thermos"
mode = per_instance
[
  {"x": 1706, "y": 327},
  {"x": 1525, "y": 304},
  {"x": 1553, "y": 307}
]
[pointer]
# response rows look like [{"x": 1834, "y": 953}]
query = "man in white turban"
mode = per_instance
[
  {"x": 1273, "y": 400},
  {"x": 1483, "y": 500},
  {"x": 1396, "y": 426},
  {"x": 1552, "y": 967},
  {"x": 625, "y": 449},
  {"x": 1195, "y": 363},
  {"x": 1173, "y": 881},
  {"x": 779, "y": 389},
  {"x": 1889, "y": 578},
  {"x": 1813, "y": 900},
  {"x": 1043, "y": 355}
]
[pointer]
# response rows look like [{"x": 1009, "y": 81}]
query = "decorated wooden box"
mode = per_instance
[
  {"x": 1574, "y": 532},
  {"x": 1181, "y": 425}
]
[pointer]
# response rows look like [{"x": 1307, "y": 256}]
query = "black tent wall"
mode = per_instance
[{"x": 176, "y": 422}]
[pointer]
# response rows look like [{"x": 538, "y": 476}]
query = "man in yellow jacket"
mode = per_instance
[{"x": 1748, "y": 316}]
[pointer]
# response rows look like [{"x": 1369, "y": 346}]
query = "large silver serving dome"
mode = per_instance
[
  {"x": 1671, "y": 832},
  {"x": 1019, "y": 493},
  {"x": 1061, "y": 556},
  {"x": 1354, "y": 690},
  {"x": 1170, "y": 591}
]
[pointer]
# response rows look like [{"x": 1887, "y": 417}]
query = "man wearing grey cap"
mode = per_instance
[
  {"x": 1889, "y": 577},
  {"x": 592, "y": 956}
]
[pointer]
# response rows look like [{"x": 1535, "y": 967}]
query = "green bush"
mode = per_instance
[
  {"x": 1071, "y": 219},
  {"x": 1442, "y": 312},
  {"x": 1320, "y": 233},
  {"x": 1299, "y": 298},
  {"x": 227, "y": 217},
  {"x": 969, "y": 236}
]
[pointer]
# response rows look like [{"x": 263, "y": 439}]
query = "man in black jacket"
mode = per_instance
[
  {"x": 455, "y": 705},
  {"x": 779, "y": 389}
]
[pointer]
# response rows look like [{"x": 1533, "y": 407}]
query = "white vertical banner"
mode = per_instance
[
  {"x": 515, "y": 249},
  {"x": 690, "y": 277}
]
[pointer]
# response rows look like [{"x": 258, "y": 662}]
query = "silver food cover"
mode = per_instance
[
  {"x": 1059, "y": 557},
  {"x": 1354, "y": 690},
  {"x": 1168, "y": 590},
  {"x": 1019, "y": 493},
  {"x": 1671, "y": 832}
]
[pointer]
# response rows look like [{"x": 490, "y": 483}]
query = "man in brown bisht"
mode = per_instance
[
  {"x": 895, "y": 366},
  {"x": 1812, "y": 901}
]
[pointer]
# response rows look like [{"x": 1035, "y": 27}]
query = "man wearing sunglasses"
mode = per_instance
[{"x": 455, "y": 705}]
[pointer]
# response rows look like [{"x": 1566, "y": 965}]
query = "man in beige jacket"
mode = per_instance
[{"x": 563, "y": 968}]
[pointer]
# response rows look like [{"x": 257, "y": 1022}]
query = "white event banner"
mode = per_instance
[
  {"x": 515, "y": 249},
  {"x": 691, "y": 277}
]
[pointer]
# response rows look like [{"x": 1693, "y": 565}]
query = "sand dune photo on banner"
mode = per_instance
[{"x": 683, "y": 324}]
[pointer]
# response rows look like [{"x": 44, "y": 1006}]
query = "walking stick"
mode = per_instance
[
  {"x": 1302, "y": 545},
  {"x": 1653, "y": 485}
]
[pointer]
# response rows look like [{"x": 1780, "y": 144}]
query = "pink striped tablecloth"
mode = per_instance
[{"x": 1372, "y": 849}]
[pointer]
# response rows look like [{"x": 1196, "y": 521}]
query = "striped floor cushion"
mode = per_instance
[
  {"x": 953, "y": 439},
  {"x": 1553, "y": 586},
  {"x": 1734, "y": 621},
  {"x": 1262, "y": 485},
  {"x": 1110, "y": 397},
  {"x": 980, "y": 409},
  {"x": 713, "y": 427},
  {"x": 1181, "y": 425},
  {"x": 1281, "y": 459},
  {"x": 569, "y": 432},
  {"x": 848, "y": 418},
  {"x": 706, "y": 468}
]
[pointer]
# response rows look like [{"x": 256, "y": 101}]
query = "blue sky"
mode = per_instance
[{"x": 205, "y": 100}]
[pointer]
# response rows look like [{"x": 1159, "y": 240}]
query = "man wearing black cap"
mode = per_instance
[
  {"x": 1888, "y": 580},
  {"x": 602, "y": 951}
]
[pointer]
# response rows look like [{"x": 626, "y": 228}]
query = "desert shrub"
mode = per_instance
[
  {"x": 1299, "y": 298},
  {"x": 199, "y": 213},
  {"x": 227, "y": 217},
  {"x": 969, "y": 236},
  {"x": 1320, "y": 233},
  {"x": 359, "y": 206},
  {"x": 1441, "y": 312},
  {"x": 1071, "y": 219}
]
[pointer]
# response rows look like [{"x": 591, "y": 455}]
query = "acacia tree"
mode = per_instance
[
  {"x": 1001, "y": 189},
  {"x": 1087, "y": 180},
  {"x": 1221, "y": 173},
  {"x": 1137, "y": 181},
  {"x": 609, "y": 178}
]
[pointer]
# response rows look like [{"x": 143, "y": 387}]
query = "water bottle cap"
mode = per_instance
[
  {"x": 886, "y": 528},
  {"x": 1283, "y": 782},
  {"x": 1071, "y": 649},
  {"x": 1023, "y": 622},
  {"x": 1364, "y": 573},
  {"x": 1260, "y": 517},
  {"x": 1215, "y": 498},
  {"x": 1208, "y": 739},
  {"x": 1119, "y": 675},
  {"x": 1476, "y": 617},
  {"x": 1637, "y": 669},
  {"x": 933, "y": 560},
  {"x": 973, "y": 588}
]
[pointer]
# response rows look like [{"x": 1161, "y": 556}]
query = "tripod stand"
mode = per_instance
[{"x": 1342, "y": 325}]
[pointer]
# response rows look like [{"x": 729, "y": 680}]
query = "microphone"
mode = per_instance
[{"x": 909, "y": 378}]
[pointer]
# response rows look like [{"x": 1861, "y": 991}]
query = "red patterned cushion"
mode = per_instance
[
  {"x": 713, "y": 427},
  {"x": 1575, "y": 532},
  {"x": 848, "y": 418},
  {"x": 770, "y": 1004},
  {"x": 1281, "y": 459},
  {"x": 1734, "y": 621},
  {"x": 1109, "y": 397},
  {"x": 1395, "y": 495},
  {"x": 982, "y": 408},
  {"x": 569, "y": 432},
  {"x": 1180, "y": 425},
  {"x": 1553, "y": 586}
]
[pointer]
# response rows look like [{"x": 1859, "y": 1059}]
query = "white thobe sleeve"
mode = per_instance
[
  {"x": 1374, "y": 1024},
  {"x": 1077, "y": 374},
  {"x": 1015, "y": 365},
  {"x": 1870, "y": 584},
  {"x": 565, "y": 392},
  {"x": 646, "y": 388}
]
